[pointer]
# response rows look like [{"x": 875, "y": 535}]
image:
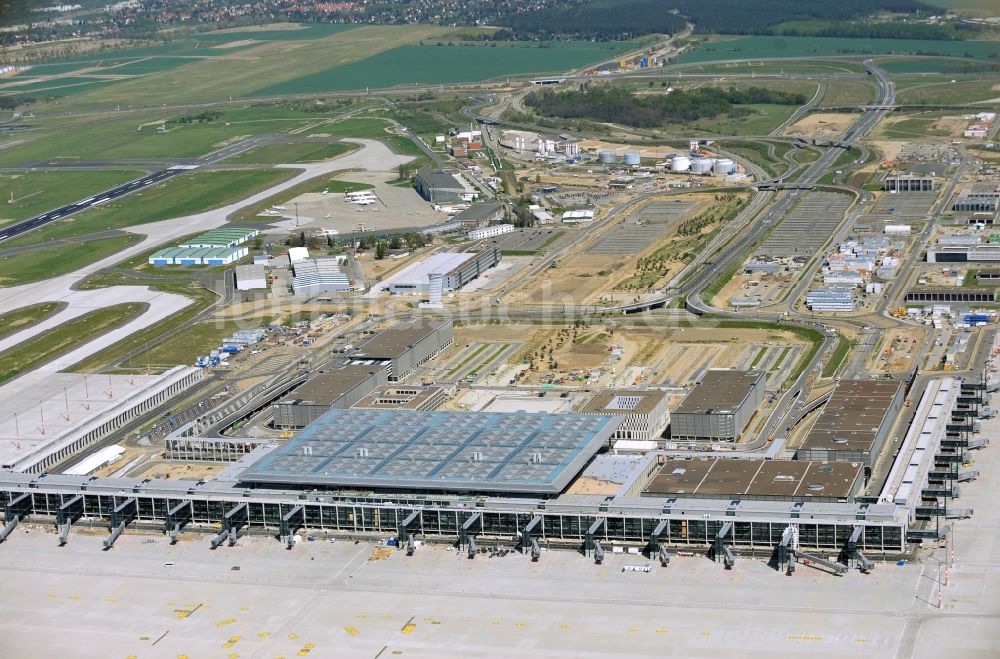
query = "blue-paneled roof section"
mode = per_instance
[{"x": 429, "y": 451}]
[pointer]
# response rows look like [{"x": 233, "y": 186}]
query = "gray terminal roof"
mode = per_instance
[
  {"x": 479, "y": 211},
  {"x": 329, "y": 386},
  {"x": 853, "y": 416},
  {"x": 719, "y": 392},
  {"x": 440, "y": 179},
  {"x": 437, "y": 451},
  {"x": 396, "y": 340}
]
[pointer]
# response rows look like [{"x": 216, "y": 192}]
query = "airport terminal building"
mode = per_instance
[{"x": 719, "y": 407}]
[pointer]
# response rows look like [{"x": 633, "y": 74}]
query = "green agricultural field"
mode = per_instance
[
  {"x": 938, "y": 64},
  {"x": 434, "y": 64},
  {"x": 771, "y": 47},
  {"x": 772, "y": 68},
  {"x": 17, "y": 320},
  {"x": 41, "y": 264},
  {"x": 947, "y": 93},
  {"x": 259, "y": 67},
  {"x": 63, "y": 339},
  {"x": 841, "y": 93},
  {"x": 176, "y": 197},
  {"x": 37, "y": 192},
  {"x": 292, "y": 153}
]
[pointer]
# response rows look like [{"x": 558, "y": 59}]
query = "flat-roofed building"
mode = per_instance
[
  {"x": 480, "y": 215},
  {"x": 908, "y": 183},
  {"x": 854, "y": 423},
  {"x": 441, "y": 186},
  {"x": 337, "y": 388},
  {"x": 450, "y": 270},
  {"x": 406, "y": 345},
  {"x": 719, "y": 407},
  {"x": 250, "y": 277},
  {"x": 780, "y": 480},
  {"x": 644, "y": 411},
  {"x": 314, "y": 276}
]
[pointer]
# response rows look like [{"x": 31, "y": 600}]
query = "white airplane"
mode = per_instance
[
  {"x": 328, "y": 216},
  {"x": 278, "y": 208},
  {"x": 363, "y": 202},
  {"x": 324, "y": 192}
]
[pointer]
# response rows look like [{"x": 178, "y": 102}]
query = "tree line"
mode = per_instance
[
  {"x": 624, "y": 19},
  {"x": 622, "y": 105}
]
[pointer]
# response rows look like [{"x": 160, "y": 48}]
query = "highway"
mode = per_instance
[{"x": 39, "y": 221}]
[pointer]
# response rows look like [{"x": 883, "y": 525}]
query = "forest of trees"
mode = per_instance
[
  {"x": 615, "y": 19},
  {"x": 621, "y": 105}
]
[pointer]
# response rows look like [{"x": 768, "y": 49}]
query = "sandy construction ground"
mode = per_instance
[
  {"x": 823, "y": 124},
  {"x": 890, "y": 148}
]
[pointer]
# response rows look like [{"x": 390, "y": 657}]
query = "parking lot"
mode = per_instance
[{"x": 527, "y": 240}]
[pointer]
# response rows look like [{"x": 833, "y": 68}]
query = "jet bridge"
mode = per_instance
[
  {"x": 654, "y": 537},
  {"x": 231, "y": 522},
  {"x": 588, "y": 541},
  {"x": 466, "y": 532},
  {"x": 528, "y": 533},
  {"x": 123, "y": 513},
  {"x": 407, "y": 528},
  {"x": 853, "y": 553},
  {"x": 838, "y": 569},
  {"x": 70, "y": 511},
  {"x": 177, "y": 517},
  {"x": 290, "y": 522},
  {"x": 472, "y": 548},
  {"x": 598, "y": 553},
  {"x": 719, "y": 548},
  {"x": 787, "y": 547},
  {"x": 14, "y": 511}
]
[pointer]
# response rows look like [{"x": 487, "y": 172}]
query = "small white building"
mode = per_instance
[
  {"x": 543, "y": 217},
  {"x": 578, "y": 215},
  {"x": 898, "y": 229},
  {"x": 297, "y": 254},
  {"x": 491, "y": 231},
  {"x": 250, "y": 277}
]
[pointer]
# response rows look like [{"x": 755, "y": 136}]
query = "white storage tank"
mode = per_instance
[
  {"x": 631, "y": 158},
  {"x": 724, "y": 166},
  {"x": 701, "y": 166},
  {"x": 680, "y": 164},
  {"x": 606, "y": 157}
]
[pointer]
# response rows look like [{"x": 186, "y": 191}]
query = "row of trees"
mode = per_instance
[
  {"x": 623, "y": 19},
  {"x": 621, "y": 105}
]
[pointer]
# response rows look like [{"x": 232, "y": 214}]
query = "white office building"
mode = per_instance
[{"x": 490, "y": 232}]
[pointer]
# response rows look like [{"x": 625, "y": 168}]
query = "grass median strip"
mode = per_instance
[
  {"x": 17, "y": 320},
  {"x": 60, "y": 340},
  {"x": 41, "y": 264}
]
